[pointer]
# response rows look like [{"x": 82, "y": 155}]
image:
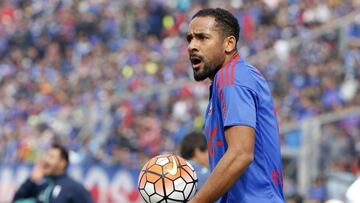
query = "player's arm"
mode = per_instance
[{"x": 232, "y": 165}]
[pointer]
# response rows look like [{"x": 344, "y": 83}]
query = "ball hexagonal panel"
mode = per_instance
[
  {"x": 176, "y": 195},
  {"x": 179, "y": 184},
  {"x": 155, "y": 198},
  {"x": 144, "y": 195},
  {"x": 162, "y": 161},
  {"x": 149, "y": 188}
]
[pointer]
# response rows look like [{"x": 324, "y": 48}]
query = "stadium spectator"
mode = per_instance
[
  {"x": 193, "y": 148},
  {"x": 338, "y": 181},
  {"x": 317, "y": 191},
  {"x": 352, "y": 194},
  {"x": 295, "y": 199},
  {"x": 49, "y": 182}
]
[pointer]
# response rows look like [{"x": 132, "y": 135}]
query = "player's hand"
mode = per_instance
[
  {"x": 37, "y": 174},
  {"x": 195, "y": 199}
]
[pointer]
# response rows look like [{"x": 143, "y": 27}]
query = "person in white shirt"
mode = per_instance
[{"x": 353, "y": 193}]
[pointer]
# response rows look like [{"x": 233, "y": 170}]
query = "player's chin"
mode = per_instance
[
  {"x": 200, "y": 75},
  {"x": 200, "y": 72}
]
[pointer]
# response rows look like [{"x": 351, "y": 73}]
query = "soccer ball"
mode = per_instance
[{"x": 167, "y": 179}]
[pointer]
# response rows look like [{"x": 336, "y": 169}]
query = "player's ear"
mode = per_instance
[{"x": 230, "y": 44}]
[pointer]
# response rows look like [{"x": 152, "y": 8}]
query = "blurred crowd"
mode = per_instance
[{"x": 70, "y": 71}]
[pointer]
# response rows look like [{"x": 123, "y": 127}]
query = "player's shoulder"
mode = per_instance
[
  {"x": 247, "y": 75},
  {"x": 239, "y": 73}
]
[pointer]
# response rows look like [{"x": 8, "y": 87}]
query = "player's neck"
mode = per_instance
[{"x": 228, "y": 59}]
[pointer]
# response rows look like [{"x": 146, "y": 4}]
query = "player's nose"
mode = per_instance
[{"x": 192, "y": 47}]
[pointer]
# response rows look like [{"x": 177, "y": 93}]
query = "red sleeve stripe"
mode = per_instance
[
  {"x": 222, "y": 75},
  {"x": 218, "y": 78},
  {"x": 227, "y": 74},
  {"x": 236, "y": 59}
]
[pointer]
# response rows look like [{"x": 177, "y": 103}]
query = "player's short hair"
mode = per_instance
[
  {"x": 193, "y": 140},
  {"x": 225, "y": 21},
  {"x": 64, "y": 154}
]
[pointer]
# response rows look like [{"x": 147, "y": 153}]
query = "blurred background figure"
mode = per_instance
[
  {"x": 294, "y": 199},
  {"x": 339, "y": 179},
  {"x": 353, "y": 193},
  {"x": 49, "y": 182},
  {"x": 193, "y": 148},
  {"x": 317, "y": 192}
]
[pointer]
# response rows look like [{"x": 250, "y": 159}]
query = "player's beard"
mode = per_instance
[{"x": 208, "y": 71}]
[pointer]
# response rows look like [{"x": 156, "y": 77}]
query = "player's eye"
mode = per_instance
[
  {"x": 201, "y": 37},
  {"x": 189, "y": 38}
]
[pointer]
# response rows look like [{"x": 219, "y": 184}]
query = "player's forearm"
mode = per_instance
[{"x": 230, "y": 167}]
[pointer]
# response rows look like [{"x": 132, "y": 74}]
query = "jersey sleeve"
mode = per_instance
[{"x": 238, "y": 106}]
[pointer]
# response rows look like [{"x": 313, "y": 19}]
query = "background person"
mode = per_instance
[
  {"x": 49, "y": 182},
  {"x": 193, "y": 148}
]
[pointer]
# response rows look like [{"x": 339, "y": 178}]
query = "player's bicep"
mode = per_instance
[
  {"x": 238, "y": 106},
  {"x": 241, "y": 140}
]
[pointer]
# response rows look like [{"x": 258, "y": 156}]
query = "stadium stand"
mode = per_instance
[{"x": 92, "y": 75}]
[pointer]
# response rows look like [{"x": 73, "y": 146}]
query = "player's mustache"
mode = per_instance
[{"x": 195, "y": 56}]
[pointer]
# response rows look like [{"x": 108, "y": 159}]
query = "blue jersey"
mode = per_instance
[
  {"x": 239, "y": 95},
  {"x": 201, "y": 172}
]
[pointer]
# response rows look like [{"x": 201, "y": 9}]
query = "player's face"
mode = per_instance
[
  {"x": 53, "y": 164},
  {"x": 206, "y": 47}
]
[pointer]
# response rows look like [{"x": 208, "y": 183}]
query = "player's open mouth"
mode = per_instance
[{"x": 196, "y": 62}]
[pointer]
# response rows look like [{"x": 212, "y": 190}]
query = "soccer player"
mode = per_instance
[
  {"x": 193, "y": 148},
  {"x": 240, "y": 123},
  {"x": 49, "y": 182}
]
